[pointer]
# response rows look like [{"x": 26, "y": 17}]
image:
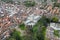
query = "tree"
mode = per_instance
[
  {"x": 7, "y": 1},
  {"x": 56, "y": 4},
  {"x": 29, "y": 3},
  {"x": 15, "y": 35},
  {"x": 11, "y": 39},
  {"x": 40, "y": 28},
  {"x": 54, "y": 1},
  {"x": 54, "y": 19},
  {"x": 56, "y": 33},
  {"x": 29, "y": 34},
  {"x": 41, "y": 33},
  {"x": 22, "y": 26}
]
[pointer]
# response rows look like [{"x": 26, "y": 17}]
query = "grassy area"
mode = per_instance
[
  {"x": 22, "y": 26},
  {"x": 29, "y": 3},
  {"x": 15, "y": 35},
  {"x": 56, "y": 33},
  {"x": 40, "y": 29},
  {"x": 35, "y": 28}
]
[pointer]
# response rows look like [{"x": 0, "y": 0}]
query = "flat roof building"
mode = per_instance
[{"x": 55, "y": 26}]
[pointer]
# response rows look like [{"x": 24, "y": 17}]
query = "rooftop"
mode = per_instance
[{"x": 55, "y": 26}]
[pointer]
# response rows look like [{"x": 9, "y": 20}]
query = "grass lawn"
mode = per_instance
[{"x": 56, "y": 33}]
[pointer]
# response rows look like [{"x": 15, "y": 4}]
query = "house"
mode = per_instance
[
  {"x": 55, "y": 26},
  {"x": 32, "y": 19}
]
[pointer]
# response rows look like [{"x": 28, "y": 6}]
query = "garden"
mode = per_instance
[{"x": 56, "y": 33}]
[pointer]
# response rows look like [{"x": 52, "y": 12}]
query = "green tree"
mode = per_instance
[
  {"x": 15, "y": 35},
  {"x": 22, "y": 26},
  {"x": 29, "y": 3},
  {"x": 40, "y": 28},
  {"x": 11, "y": 39},
  {"x": 54, "y": 19},
  {"x": 56, "y": 33},
  {"x": 41, "y": 33},
  {"x": 56, "y": 4},
  {"x": 54, "y": 1},
  {"x": 7, "y": 1}
]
